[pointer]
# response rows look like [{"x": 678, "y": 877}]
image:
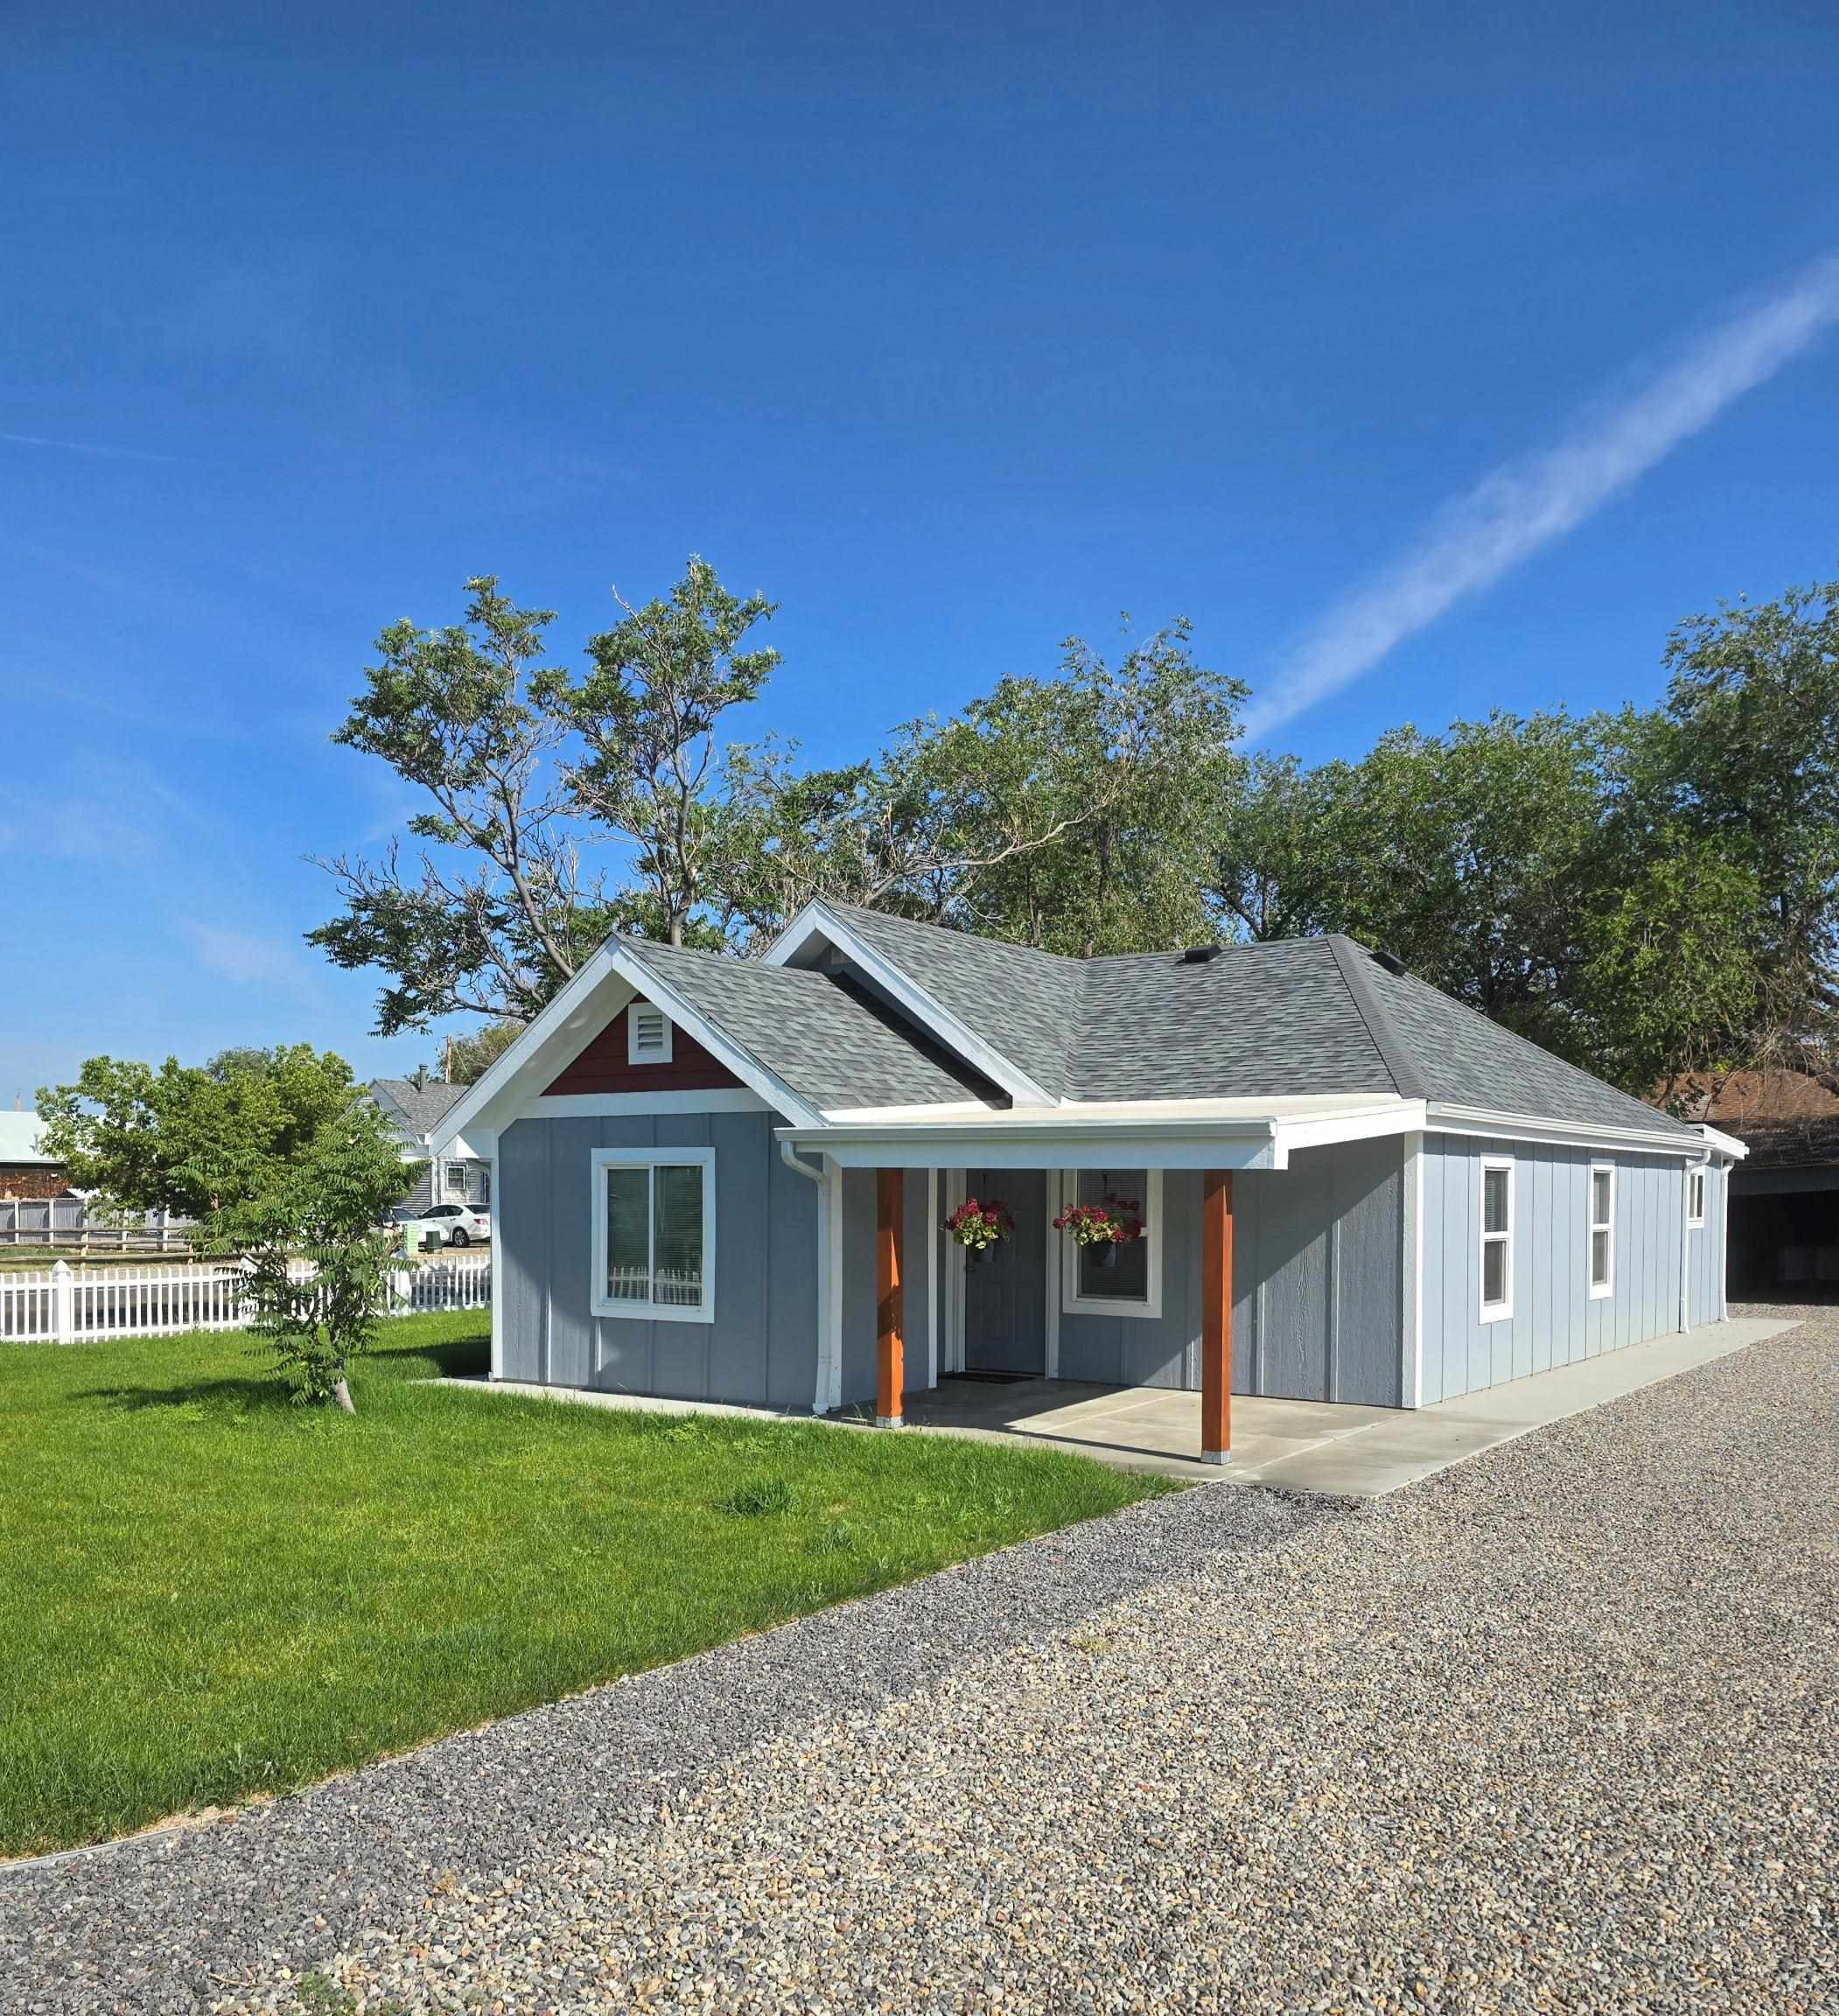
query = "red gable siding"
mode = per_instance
[{"x": 602, "y": 1067}]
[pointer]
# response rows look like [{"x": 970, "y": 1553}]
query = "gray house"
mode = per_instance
[
  {"x": 415, "y": 1108},
  {"x": 725, "y": 1180}
]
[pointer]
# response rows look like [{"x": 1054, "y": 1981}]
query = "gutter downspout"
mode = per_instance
[{"x": 790, "y": 1156}]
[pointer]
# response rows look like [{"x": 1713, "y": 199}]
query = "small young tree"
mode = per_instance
[{"x": 325, "y": 1209}]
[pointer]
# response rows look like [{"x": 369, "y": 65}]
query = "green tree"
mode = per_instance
[
  {"x": 317, "y": 1255},
  {"x": 192, "y": 1139},
  {"x": 1753, "y": 704},
  {"x": 1543, "y": 870},
  {"x": 646, "y": 715},
  {"x": 1066, "y": 812},
  {"x": 528, "y": 772},
  {"x": 469, "y": 1057}
]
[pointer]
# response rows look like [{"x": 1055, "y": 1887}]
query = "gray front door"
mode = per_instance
[{"x": 1006, "y": 1310}]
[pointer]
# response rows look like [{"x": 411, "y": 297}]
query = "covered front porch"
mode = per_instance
[{"x": 1265, "y": 1269}]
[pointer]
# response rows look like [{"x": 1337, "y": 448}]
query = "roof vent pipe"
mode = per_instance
[{"x": 1198, "y": 954}]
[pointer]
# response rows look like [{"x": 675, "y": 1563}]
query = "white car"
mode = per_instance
[{"x": 448, "y": 1225}]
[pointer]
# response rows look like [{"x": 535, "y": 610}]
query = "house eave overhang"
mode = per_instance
[
  {"x": 1443, "y": 1118},
  {"x": 1723, "y": 1143},
  {"x": 1152, "y": 1134},
  {"x": 814, "y": 921}
]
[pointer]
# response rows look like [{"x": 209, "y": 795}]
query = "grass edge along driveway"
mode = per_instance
[{"x": 214, "y": 1594}]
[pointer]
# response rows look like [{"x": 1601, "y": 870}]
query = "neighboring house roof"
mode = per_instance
[
  {"x": 420, "y": 1108},
  {"x": 1809, "y": 1145},
  {"x": 19, "y": 1141}
]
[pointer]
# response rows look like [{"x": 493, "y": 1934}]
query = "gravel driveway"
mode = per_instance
[{"x": 1556, "y": 1730}]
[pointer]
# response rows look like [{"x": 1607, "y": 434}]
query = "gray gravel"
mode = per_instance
[{"x": 1554, "y": 1731}]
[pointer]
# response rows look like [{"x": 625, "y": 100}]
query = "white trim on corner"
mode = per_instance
[
  {"x": 497, "y": 1265},
  {"x": 1413, "y": 1299},
  {"x": 1073, "y": 1304},
  {"x": 1599, "y": 1291},
  {"x": 832, "y": 1366},
  {"x": 609, "y": 1105},
  {"x": 1498, "y": 1126},
  {"x": 1502, "y": 1311},
  {"x": 815, "y": 921},
  {"x": 663, "y": 1156}
]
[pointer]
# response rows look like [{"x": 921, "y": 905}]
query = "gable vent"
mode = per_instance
[{"x": 647, "y": 1034}]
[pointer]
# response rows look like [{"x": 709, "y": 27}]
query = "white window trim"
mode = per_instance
[
  {"x": 634, "y": 1054},
  {"x": 661, "y": 1157},
  {"x": 1599, "y": 1290},
  {"x": 1698, "y": 1177},
  {"x": 1500, "y": 1311},
  {"x": 1072, "y": 1302}
]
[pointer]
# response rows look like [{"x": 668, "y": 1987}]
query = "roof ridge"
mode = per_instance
[
  {"x": 1352, "y": 960},
  {"x": 952, "y": 931}
]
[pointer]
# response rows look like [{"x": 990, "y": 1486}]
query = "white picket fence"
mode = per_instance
[{"x": 67, "y": 1305}]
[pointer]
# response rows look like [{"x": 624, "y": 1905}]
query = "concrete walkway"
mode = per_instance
[
  {"x": 1309, "y": 1445},
  {"x": 1344, "y": 1450}
]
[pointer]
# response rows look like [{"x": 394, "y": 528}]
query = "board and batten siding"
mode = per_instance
[
  {"x": 1317, "y": 1285},
  {"x": 1555, "y": 1320},
  {"x": 1705, "y": 1256},
  {"x": 760, "y": 1350}
]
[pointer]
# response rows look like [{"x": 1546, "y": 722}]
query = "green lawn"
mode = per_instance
[{"x": 210, "y": 1594}]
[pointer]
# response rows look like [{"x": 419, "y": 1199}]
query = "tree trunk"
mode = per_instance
[{"x": 341, "y": 1394}]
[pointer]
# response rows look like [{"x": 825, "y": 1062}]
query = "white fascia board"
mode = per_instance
[
  {"x": 1491, "y": 1125},
  {"x": 814, "y": 921},
  {"x": 1000, "y": 1142},
  {"x": 1356, "y": 1123},
  {"x": 1724, "y": 1144}
]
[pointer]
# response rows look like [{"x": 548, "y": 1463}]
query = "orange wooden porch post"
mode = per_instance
[
  {"x": 890, "y": 1359},
  {"x": 1216, "y": 1317}
]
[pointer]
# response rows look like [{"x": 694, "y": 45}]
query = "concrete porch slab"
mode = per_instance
[
  {"x": 1342, "y": 1451},
  {"x": 1312, "y": 1445}
]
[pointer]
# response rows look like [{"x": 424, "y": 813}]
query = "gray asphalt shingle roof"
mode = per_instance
[
  {"x": 1022, "y": 1002},
  {"x": 1289, "y": 1018},
  {"x": 425, "y": 1105},
  {"x": 814, "y": 1033}
]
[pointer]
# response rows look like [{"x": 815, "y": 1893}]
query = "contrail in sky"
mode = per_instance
[
  {"x": 84, "y": 448},
  {"x": 1526, "y": 504}
]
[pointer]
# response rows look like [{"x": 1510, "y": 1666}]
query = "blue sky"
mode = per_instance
[{"x": 1428, "y": 365}]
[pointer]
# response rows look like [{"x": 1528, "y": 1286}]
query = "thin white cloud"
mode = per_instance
[
  {"x": 246, "y": 958},
  {"x": 1526, "y": 504},
  {"x": 85, "y": 448}
]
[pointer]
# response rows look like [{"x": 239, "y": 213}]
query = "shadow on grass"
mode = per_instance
[
  {"x": 252, "y": 1396},
  {"x": 452, "y": 1357}
]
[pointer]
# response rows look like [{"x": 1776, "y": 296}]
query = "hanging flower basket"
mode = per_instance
[
  {"x": 977, "y": 1227},
  {"x": 1117, "y": 1221}
]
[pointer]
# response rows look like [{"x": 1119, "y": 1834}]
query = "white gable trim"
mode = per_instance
[
  {"x": 814, "y": 921},
  {"x": 590, "y": 1001}
]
